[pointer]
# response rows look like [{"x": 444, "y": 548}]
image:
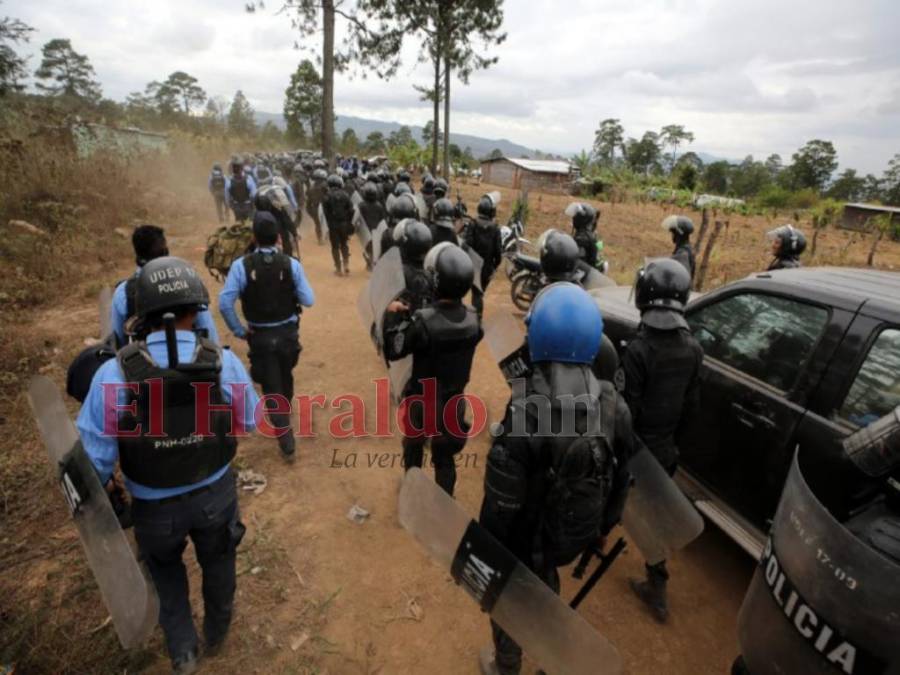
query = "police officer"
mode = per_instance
[
  {"x": 584, "y": 230},
  {"x": 216, "y": 185},
  {"x": 681, "y": 228},
  {"x": 483, "y": 236},
  {"x": 182, "y": 487},
  {"x": 414, "y": 240},
  {"x": 441, "y": 188},
  {"x": 149, "y": 243},
  {"x": 314, "y": 196},
  {"x": 787, "y": 244},
  {"x": 401, "y": 209},
  {"x": 337, "y": 208},
  {"x": 559, "y": 256},
  {"x": 442, "y": 225},
  {"x": 271, "y": 286},
  {"x": 369, "y": 213},
  {"x": 277, "y": 200},
  {"x": 442, "y": 338},
  {"x": 662, "y": 370},
  {"x": 240, "y": 192},
  {"x": 428, "y": 196},
  {"x": 554, "y": 482}
]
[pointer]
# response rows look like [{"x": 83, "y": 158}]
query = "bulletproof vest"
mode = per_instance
[
  {"x": 442, "y": 233},
  {"x": 419, "y": 290},
  {"x": 269, "y": 296},
  {"x": 338, "y": 209},
  {"x": 314, "y": 195},
  {"x": 671, "y": 364},
  {"x": 178, "y": 456},
  {"x": 453, "y": 334},
  {"x": 587, "y": 245},
  {"x": 240, "y": 191},
  {"x": 131, "y": 296},
  {"x": 372, "y": 213},
  {"x": 685, "y": 255},
  {"x": 217, "y": 181},
  {"x": 483, "y": 240}
]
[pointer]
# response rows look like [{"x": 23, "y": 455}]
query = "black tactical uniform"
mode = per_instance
[
  {"x": 372, "y": 213},
  {"x": 483, "y": 236},
  {"x": 338, "y": 210},
  {"x": 587, "y": 245},
  {"x": 684, "y": 253},
  {"x": 784, "y": 263},
  {"x": 217, "y": 184},
  {"x": 314, "y": 196}
]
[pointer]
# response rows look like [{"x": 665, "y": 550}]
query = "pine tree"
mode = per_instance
[
  {"x": 66, "y": 72},
  {"x": 241, "y": 119}
]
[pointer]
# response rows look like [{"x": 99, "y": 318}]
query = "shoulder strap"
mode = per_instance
[
  {"x": 208, "y": 352},
  {"x": 135, "y": 361}
]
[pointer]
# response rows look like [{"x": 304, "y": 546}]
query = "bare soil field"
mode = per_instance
[{"x": 318, "y": 593}]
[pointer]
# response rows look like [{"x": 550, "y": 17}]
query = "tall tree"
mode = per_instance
[
  {"x": 643, "y": 156},
  {"x": 12, "y": 66},
  {"x": 608, "y": 137},
  {"x": 848, "y": 186},
  {"x": 375, "y": 144},
  {"x": 241, "y": 119},
  {"x": 813, "y": 165},
  {"x": 349, "y": 142},
  {"x": 715, "y": 177},
  {"x": 303, "y": 104},
  {"x": 749, "y": 177},
  {"x": 890, "y": 183},
  {"x": 66, "y": 72},
  {"x": 181, "y": 87},
  {"x": 402, "y": 136},
  {"x": 773, "y": 165},
  {"x": 672, "y": 136}
]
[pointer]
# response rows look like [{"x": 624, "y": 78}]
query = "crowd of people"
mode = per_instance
[{"x": 547, "y": 497}]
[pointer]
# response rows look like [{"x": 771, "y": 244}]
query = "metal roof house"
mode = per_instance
[
  {"x": 540, "y": 174},
  {"x": 856, "y": 216}
]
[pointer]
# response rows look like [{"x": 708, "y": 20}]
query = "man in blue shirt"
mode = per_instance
[
  {"x": 149, "y": 242},
  {"x": 273, "y": 290},
  {"x": 175, "y": 460},
  {"x": 216, "y": 184},
  {"x": 240, "y": 190}
]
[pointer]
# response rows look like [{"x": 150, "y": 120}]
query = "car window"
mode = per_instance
[
  {"x": 876, "y": 390},
  {"x": 765, "y": 336}
]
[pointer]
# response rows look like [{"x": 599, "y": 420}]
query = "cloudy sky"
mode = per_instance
[{"x": 746, "y": 76}]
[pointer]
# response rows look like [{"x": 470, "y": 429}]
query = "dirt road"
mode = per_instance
[{"x": 318, "y": 593}]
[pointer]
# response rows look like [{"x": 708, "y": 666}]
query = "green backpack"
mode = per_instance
[{"x": 224, "y": 246}]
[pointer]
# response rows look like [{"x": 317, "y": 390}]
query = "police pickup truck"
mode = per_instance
[{"x": 799, "y": 357}]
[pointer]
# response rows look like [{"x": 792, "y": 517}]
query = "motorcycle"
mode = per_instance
[{"x": 527, "y": 279}]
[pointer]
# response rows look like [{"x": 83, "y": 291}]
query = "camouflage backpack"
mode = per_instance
[{"x": 224, "y": 246}]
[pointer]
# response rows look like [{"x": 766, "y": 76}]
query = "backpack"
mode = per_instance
[
  {"x": 218, "y": 181},
  {"x": 580, "y": 486},
  {"x": 84, "y": 366},
  {"x": 224, "y": 246}
]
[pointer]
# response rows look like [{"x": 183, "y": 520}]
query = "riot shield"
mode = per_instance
[
  {"x": 554, "y": 635},
  {"x": 505, "y": 338},
  {"x": 128, "y": 594},
  {"x": 377, "y": 234},
  {"x": 658, "y": 517},
  {"x": 477, "y": 265},
  {"x": 323, "y": 221},
  {"x": 820, "y": 601},
  {"x": 421, "y": 206},
  {"x": 356, "y": 198},
  {"x": 105, "y": 304},
  {"x": 592, "y": 277},
  {"x": 362, "y": 230}
]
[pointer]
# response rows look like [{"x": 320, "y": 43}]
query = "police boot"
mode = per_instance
[
  {"x": 653, "y": 591},
  {"x": 286, "y": 445},
  {"x": 186, "y": 663}
]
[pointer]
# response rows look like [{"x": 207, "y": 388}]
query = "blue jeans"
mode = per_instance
[{"x": 212, "y": 521}]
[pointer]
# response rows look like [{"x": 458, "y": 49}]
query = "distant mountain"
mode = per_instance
[{"x": 480, "y": 147}]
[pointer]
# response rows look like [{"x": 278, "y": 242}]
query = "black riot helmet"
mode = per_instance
[
  {"x": 403, "y": 207},
  {"x": 369, "y": 192},
  {"x": 584, "y": 216},
  {"x": 319, "y": 174},
  {"x": 168, "y": 284},
  {"x": 402, "y": 189},
  {"x": 427, "y": 184},
  {"x": 413, "y": 238},
  {"x": 559, "y": 255},
  {"x": 403, "y": 176},
  {"x": 444, "y": 209},
  {"x": 486, "y": 207},
  {"x": 451, "y": 269},
  {"x": 679, "y": 226},
  {"x": 441, "y": 188},
  {"x": 335, "y": 181},
  {"x": 793, "y": 241},
  {"x": 661, "y": 291}
]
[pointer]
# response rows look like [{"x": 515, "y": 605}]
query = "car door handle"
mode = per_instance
[{"x": 752, "y": 418}]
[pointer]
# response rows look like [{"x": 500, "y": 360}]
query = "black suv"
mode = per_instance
[{"x": 792, "y": 357}]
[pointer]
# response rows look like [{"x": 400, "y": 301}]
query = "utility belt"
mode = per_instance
[
  {"x": 288, "y": 323},
  {"x": 190, "y": 494}
]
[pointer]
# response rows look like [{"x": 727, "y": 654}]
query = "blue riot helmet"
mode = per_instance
[{"x": 564, "y": 325}]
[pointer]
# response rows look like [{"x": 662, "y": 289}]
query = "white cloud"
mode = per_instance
[{"x": 746, "y": 76}]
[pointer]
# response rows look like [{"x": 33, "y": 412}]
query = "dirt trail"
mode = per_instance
[{"x": 318, "y": 593}]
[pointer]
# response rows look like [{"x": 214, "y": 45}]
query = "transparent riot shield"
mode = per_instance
[
  {"x": 362, "y": 231},
  {"x": 129, "y": 596},
  {"x": 421, "y": 206},
  {"x": 658, "y": 517},
  {"x": 477, "y": 265},
  {"x": 554, "y": 635},
  {"x": 505, "y": 337},
  {"x": 592, "y": 277},
  {"x": 821, "y": 600},
  {"x": 323, "y": 221},
  {"x": 377, "y": 234}
]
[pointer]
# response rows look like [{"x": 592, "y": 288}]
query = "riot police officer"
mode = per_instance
[
  {"x": 271, "y": 286},
  {"x": 483, "y": 236},
  {"x": 401, "y": 208},
  {"x": 337, "y": 209},
  {"x": 584, "y": 230},
  {"x": 442, "y": 338},
  {"x": 559, "y": 256},
  {"x": 787, "y": 244},
  {"x": 183, "y": 487},
  {"x": 240, "y": 190},
  {"x": 216, "y": 185},
  {"x": 369, "y": 213},
  {"x": 149, "y": 243},
  {"x": 662, "y": 370},
  {"x": 414, "y": 240},
  {"x": 314, "y": 196},
  {"x": 681, "y": 227},
  {"x": 555, "y": 482},
  {"x": 442, "y": 222}
]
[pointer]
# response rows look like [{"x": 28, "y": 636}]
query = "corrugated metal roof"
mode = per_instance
[
  {"x": 537, "y": 165},
  {"x": 875, "y": 207}
]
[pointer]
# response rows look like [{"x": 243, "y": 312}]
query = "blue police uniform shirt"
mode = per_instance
[
  {"x": 119, "y": 315},
  {"x": 236, "y": 283},
  {"x": 103, "y": 450}
]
